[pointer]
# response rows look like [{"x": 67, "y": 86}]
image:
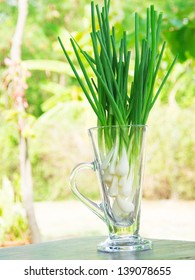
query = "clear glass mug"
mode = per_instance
[{"x": 119, "y": 165}]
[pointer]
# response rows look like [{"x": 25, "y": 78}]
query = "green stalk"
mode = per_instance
[
  {"x": 81, "y": 83},
  {"x": 98, "y": 105},
  {"x": 163, "y": 82},
  {"x": 108, "y": 64}
]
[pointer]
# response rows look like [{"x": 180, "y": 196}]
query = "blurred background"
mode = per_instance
[{"x": 44, "y": 118}]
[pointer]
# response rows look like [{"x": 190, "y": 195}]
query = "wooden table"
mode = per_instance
[{"x": 85, "y": 249}]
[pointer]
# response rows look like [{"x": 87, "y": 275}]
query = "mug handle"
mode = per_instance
[{"x": 94, "y": 207}]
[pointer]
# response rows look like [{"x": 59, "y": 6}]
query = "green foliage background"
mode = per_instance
[{"x": 58, "y": 115}]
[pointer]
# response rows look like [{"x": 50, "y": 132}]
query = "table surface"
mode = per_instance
[{"x": 86, "y": 249}]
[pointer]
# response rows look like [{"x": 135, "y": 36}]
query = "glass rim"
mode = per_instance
[{"x": 117, "y": 126}]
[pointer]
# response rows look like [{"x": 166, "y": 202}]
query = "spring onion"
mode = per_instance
[{"x": 114, "y": 102}]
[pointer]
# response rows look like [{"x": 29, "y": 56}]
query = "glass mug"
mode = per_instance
[{"x": 119, "y": 165}]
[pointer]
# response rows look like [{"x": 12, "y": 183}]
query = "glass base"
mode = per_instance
[{"x": 132, "y": 243}]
